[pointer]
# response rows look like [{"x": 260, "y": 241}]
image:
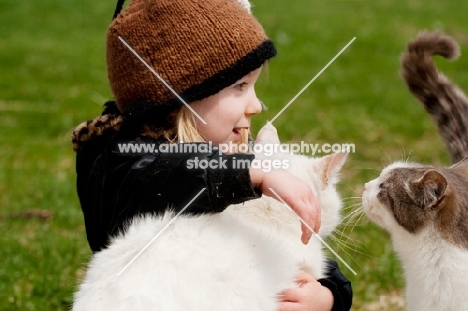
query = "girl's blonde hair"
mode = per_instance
[
  {"x": 186, "y": 127},
  {"x": 181, "y": 127}
]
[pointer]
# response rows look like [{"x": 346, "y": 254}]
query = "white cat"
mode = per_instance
[
  {"x": 425, "y": 210},
  {"x": 236, "y": 260}
]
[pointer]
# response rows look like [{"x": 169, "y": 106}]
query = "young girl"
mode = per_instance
[{"x": 162, "y": 54}]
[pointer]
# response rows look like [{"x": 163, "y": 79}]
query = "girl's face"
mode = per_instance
[{"x": 228, "y": 111}]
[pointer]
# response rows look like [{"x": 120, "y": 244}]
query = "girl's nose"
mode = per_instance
[{"x": 254, "y": 105}]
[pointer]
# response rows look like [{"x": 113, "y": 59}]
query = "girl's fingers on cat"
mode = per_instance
[
  {"x": 317, "y": 216},
  {"x": 310, "y": 214},
  {"x": 306, "y": 234},
  {"x": 304, "y": 278},
  {"x": 310, "y": 296},
  {"x": 306, "y": 216},
  {"x": 313, "y": 218},
  {"x": 289, "y": 295}
]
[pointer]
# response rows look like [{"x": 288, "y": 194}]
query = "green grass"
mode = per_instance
[{"x": 53, "y": 76}]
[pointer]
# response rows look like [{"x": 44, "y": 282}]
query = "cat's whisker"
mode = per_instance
[
  {"x": 340, "y": 246},
  {"x": 357, "y": 201},
  {"x": 353, "y": 245},
  {"x": 353, "y": 213},
  {"x": 352, "y": 198},
  {"x": 350, "y": 251},
  {"x": 350, "y": 212},
  {"x": 350, "y": 219},
  {"x": 402, "y": 151},
  {"x": 348, "y": 239},
  {"x": 352, "y": 223},
  {"x": 349, "y": 209},
  {"x": 408, "y": 157},
  {"x": 359, "y": 214},
  {"x": 354, "y": 204},
  {"x": 344, "y": 237},
  {"x": 388, "y": 158}
]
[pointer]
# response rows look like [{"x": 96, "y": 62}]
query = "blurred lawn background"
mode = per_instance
[{"x": 53, "y": 76}]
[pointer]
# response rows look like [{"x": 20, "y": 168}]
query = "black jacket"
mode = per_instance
[
  {"x": 339, "y": 285},
  {"x": 113, "y": 187}
]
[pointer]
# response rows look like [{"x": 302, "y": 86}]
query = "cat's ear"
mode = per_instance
[
  {"x": 461, "y": 166},
  {"x": 329, "y": 167},
  {"x": 432, "y": 187},
  {"x": 267, "y": 135}
]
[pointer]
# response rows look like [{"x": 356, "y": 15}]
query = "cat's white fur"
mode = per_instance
[
  {"x": 435, "y": 270},
  {"x": 236, "y": 260}
]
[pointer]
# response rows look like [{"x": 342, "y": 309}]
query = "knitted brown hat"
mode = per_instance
[{"x": 198, "y": 47}]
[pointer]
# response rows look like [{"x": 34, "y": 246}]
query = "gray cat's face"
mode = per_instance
[
  {"x": 405, "y": 195},
  {"x": 414, "y": 197}
]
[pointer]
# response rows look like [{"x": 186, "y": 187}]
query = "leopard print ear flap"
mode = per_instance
[{"x": 95, "y": 127}]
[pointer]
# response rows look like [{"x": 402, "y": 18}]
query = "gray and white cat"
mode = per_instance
[
  {"x": 425, "y": 208},
  {"x": 236, "y": 260}
]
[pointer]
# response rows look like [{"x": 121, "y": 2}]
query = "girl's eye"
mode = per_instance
[{"x": 240, "y": 86}]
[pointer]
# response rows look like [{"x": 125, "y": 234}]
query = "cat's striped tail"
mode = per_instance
[{"x": 444, "y": 101}]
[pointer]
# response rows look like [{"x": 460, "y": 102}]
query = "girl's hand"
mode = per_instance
[
  {"x": 309, "y": 296},
  {"x": 296, "y": 193}
]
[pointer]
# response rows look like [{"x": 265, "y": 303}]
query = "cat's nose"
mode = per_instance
[{"x": 366, "y": 186}]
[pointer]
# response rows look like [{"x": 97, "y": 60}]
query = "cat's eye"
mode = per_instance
[{"x": 381, "y": 185}]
